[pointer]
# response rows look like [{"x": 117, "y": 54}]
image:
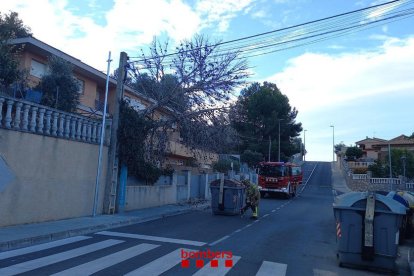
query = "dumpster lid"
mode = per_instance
[
  {"x": 398, "y": 198},
  {"x": 408, "y": 197},
  {"x": 352, "y": 199}
]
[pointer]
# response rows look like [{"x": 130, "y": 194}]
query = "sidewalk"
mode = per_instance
[
  {"x": 339, "y": 187},
  {"x": 338, "y": 180},
  {"x": 14, "y": 237}
]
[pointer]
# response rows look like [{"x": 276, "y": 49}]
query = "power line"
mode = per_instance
[{"x": 342, "y": 23}]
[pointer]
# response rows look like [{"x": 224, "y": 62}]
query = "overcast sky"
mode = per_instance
[{"x": 361, "y": 83}]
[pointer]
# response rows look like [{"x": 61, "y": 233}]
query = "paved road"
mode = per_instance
[{"x": 292, "y": 237}]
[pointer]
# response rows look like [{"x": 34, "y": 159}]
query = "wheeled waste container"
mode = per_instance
[
  {"x": 404, "y": 229},
  {"x": 367, "y": 229},
  {"x": 227, "y": 197},
  {"x": 409, "y": 197}
]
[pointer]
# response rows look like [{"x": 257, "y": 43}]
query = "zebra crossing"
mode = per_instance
[{"x": 21, "y": 261}]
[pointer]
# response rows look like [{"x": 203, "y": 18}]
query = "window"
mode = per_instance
[
  {"x": 37, "y": 69},
  {"x": 81, "y": 86}
]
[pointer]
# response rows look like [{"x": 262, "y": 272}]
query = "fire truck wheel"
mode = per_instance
[{"x": 262, "y": 194}]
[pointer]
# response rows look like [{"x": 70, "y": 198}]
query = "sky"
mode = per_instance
[{"x": 361, "y": 83}]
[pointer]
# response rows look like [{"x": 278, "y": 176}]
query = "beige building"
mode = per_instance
[
  {"x": 370, "y": 147},
  {"x": 34, "y": 57},
  {"x": 375, "y": 148}
]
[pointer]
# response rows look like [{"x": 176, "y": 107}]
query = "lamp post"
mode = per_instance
[
  {"x": 333, "y": 143},
  {"x": 304, "y": 144},
  {"x": 270, "y": 146},
  {"x": 403, "y": 158},
  {"x": 279, "y": 141}
]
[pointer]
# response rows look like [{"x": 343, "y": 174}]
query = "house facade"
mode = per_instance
[
  {"x": 34, "y": 58},
  {"x": 370, "y": 147},
  {"x": 375, "y": 148}
]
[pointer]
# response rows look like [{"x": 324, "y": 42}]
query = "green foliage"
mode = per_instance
[
  {"x": 9, "y": 66},
  {"x": 381, "y": 168},
  {"x": 223, "y": 166},
  {"x": 353, "y": 153},
  {"x": 132, "y": 132},
  {"x": 161, "y": 90},
  {"x": 398, "y": 158},
  {"x": 11, "y": 27},
  {"x": 256, "y": 117},
  {"x": 378, "y": 169},
  {"x": 60, "y": 88},
  {"x": 360, "y": 170},
  {"x": 339, "y": 147},
  {"x": 252, "y": 158}
]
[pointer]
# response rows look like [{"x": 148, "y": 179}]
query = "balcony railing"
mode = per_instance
[{"x": 21, "y": 115}]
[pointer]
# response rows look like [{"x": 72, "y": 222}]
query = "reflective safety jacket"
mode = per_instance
[{"x": 252, "y": 194}]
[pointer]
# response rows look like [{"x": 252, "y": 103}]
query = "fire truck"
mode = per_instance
[{"x": 279, "y": 177}]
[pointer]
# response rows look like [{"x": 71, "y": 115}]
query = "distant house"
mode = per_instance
[
  {"x": 375, "y": 148},
  {"x": 401, "y": 142},
  {"x": 371, "y": 147},
  {"x": 34, "y": 57}
]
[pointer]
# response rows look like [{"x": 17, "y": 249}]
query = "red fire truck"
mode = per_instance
[{"x": 279, "y": 177}]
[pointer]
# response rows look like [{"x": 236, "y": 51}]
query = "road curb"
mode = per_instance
[{"x": 39, "y": 239}]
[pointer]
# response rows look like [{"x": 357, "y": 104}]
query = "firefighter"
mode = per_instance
[{"x": 252, "y": 199}]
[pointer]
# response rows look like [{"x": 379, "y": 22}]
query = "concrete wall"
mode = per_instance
[
  {"x": 144, "y": 196},
  {"x": 52, "y": 178},
  {"x": 139, "y": 197}
]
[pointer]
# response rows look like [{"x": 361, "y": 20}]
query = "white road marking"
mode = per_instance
[
  {"x": 273, "y": 211},
  {"x": 237, "y": 231},
  {"x": 107, "y": 261},
  {"x": 271, "y": 268},
  {"x": 39, "y": 247},
  {"x": 159, "y": 265},
  {"x": 219, "y": 240},
  {"x": 266, "y": 215},
  {"x": 55, "y": 258},
  {"x": 151, "y": 238},
  {"x": 319, "y": 272},
  {"x": 220, "y": 270}
]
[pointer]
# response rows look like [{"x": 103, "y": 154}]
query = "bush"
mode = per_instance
[
  {"x": 252, "y": 158},
  {"x": 132, "y": 132},
  {"x": 360, "y": 170},
  {"x": 223, "y": 166}
]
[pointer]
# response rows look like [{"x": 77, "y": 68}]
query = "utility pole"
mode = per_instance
[
  {"x": 279, "y": 141},
  {"x": 270, "y": 145},
  {"x": 333, "y": 143},
  {"x": 404, "y": 158},
  {"x": 304, "y": 144},
  {"x": 112, "y": 174}
]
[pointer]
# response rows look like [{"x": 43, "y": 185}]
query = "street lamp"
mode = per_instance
[
  {"x": 333, "y": 143},
  {"x": 304, "y": 144},
  {"x": 403, "y": 158},
  {"x": 279, "y": 141}
]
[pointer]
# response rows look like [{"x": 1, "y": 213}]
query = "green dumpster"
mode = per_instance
[{"x": 367, "y": 229}]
